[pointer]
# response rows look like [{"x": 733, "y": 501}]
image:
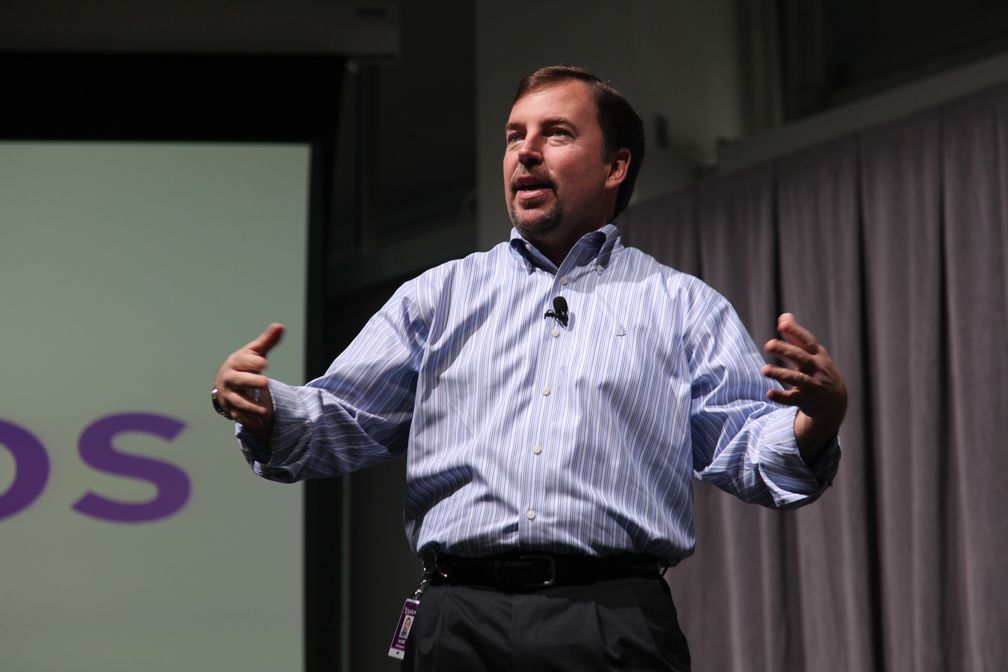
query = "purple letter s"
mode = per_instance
[{"x": 96, "y": 450}]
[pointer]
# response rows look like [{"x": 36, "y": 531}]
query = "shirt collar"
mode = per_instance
[{"x": 594, "y": 247}]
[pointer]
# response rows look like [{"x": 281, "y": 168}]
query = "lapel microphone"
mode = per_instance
[{"x": 559, "y": 312}]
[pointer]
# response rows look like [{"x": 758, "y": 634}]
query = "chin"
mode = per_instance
[{"x": 535, "y": 225}]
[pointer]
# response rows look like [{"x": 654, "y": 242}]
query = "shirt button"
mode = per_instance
[
  {"x": 599, "y": 268},
  {"x": 546, "y": 391},
  {"x": 555, "y": 333},
  {"x": 537, "y": 450},
  {"x": 563, "y": 280},
  {"x": 530, "y": 515}
]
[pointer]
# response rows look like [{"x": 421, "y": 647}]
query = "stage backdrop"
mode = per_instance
[
  {"x": 133, "y": 535},
  {"x": 891, "y": 245}
]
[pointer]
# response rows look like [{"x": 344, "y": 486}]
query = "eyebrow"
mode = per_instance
[
  {"x": 557, "y": 121},
  {"x": 548, "y": 121}
]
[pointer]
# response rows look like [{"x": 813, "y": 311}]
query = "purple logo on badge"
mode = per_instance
[{"x": 397, "y": 649}]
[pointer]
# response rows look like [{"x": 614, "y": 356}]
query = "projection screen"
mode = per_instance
[{"x": 133, "y": 534}]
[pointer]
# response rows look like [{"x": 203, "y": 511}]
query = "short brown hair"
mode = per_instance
[{"x": 621, "y": 126}]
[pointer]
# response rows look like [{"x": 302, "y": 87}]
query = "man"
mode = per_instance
[{"x": 551, "y": 442}]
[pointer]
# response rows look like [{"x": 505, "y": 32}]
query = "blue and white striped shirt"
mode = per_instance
[{"x": 525, "y": 434}]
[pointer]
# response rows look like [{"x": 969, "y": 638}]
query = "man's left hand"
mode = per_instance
[{"x": 814, "y": 385}]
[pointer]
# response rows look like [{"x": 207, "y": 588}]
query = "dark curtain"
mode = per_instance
[{"x": 891, "y": 246}]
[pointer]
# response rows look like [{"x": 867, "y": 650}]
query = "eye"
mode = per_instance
[
  {"x": 559, "y": 132},
  {"x": 513, "y": 137}
]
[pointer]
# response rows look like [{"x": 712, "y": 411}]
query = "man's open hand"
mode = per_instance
[{"x": 814, "y": 385}]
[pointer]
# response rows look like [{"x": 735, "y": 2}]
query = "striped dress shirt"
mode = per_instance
[{"x": 523, "y": 433}]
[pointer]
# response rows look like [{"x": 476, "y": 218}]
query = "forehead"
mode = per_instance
[{"x": 571, "y": 100}]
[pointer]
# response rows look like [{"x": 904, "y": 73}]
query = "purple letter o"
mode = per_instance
[{"x": 31, "y": 468}]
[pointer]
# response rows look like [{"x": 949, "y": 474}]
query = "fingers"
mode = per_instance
[
  {"x": 241, "y": 389},
  {"x": 811, "y": 379},
  {"x": 785, "y": 376},
  {"x": 253, "y": 382},
  {"x": 799, "y": 347},
  {"x": 253, "y": 356},
  {"x": 796, "y": 334},
  {"x": 797, "y": 355},
  {"x": 792, "y": 397},
  {"x": 801, "y": 386},
  {"x": 246, "y": 360},
  {"x": 243, "y": 392},
  {"x": 802, "y": 351},
  {"x": 266, "y": 340},
  {"x": 245, "y": 406}
]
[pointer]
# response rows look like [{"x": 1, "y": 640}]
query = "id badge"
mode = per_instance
[{"x": 397, "y": 649}]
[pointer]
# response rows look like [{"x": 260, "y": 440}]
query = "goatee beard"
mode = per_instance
[{"x": 538, "y": 227}]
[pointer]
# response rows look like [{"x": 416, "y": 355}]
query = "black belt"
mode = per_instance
[{"x": 532, "y": 571}]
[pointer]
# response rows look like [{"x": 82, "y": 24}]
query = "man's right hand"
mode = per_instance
[{"x": 242, "y": 390}]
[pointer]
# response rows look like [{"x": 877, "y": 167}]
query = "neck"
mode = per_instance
[
  {"x": 556, "y": 247},
  {"x": 555, "y": 252}
]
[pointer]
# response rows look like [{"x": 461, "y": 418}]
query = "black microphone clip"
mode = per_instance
[{"x": 559, "y": 312}]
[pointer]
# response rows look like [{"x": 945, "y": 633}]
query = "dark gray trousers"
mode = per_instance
[{"x": 620, "y": 624}]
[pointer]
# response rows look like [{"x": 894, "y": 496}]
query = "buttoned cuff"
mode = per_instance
[
  {"x": 790, "y": 480},
  {"x": 289, "y": 421}
]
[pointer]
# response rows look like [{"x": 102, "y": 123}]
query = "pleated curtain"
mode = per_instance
[{"x": 891, "y": 245}]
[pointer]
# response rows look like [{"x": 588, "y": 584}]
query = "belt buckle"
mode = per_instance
[{"x": 550, "y": 563}]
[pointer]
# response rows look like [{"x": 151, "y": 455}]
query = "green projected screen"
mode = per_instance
[{"x": 133, "y": 534}]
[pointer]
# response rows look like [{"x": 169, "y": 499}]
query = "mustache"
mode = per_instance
[{"x": 529, "y": 179}]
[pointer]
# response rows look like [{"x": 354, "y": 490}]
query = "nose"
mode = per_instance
[{"x": 530, "y": 152}]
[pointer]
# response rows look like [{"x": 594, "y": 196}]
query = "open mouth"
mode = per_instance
[{"x": 529, "y": 188}]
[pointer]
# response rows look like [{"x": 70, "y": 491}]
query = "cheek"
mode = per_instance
[
  {"x": 506, "y": 170},
  {"x": 580, "y": 177},
  {"x": 508, "y": 165}
]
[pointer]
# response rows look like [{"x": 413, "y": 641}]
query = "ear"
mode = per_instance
[{"x": 618, "y": 164}]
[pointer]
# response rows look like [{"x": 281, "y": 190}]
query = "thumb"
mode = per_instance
[{"x": 266, "y": 340}]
